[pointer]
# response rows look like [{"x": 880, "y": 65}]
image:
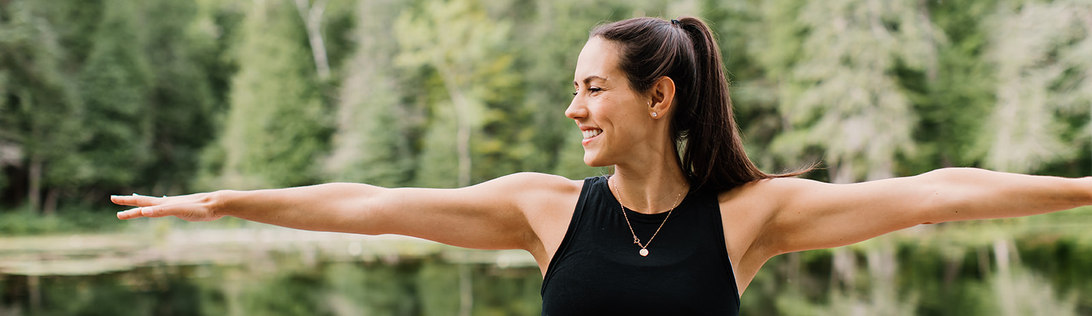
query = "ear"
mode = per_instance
[{"x": 663, "y": 97}]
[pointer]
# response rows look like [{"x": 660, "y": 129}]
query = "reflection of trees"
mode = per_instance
[
  {"x": 951, "y": 271},
  {"x": 944, "y": 271}
]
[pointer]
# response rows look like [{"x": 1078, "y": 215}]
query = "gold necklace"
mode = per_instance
[{"x": 644, "y": 247}]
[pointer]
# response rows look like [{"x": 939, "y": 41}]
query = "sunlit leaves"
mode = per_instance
[{"x": 1035, "y": 49}]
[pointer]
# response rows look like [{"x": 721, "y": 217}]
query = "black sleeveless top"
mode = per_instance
[{"x": 597, "y": 269}]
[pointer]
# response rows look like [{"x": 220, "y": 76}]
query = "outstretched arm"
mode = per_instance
[
  {"x": 489, "y": 215},
  {"x": 813, "y": 215}
]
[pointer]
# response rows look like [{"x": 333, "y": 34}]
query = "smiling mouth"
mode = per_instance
[{"x": 591, "y": 133}]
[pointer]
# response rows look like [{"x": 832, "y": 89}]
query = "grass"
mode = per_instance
[{"x": 24, "y": 221}]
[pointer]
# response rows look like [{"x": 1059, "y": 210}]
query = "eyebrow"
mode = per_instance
[{"x": 590, "y": 78}]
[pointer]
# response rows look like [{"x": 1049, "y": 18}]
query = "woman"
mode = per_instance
[{"x": 667, "y": 233}]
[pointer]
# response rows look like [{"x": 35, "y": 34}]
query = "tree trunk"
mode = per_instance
[
  {"x": 50, "y": 205},
  {"x": 34, "y": 290},
  {"x": 983, "y": 263},
  {"x": 462, "y": 142},
  {"x": 312, "y": 20},
  {"x": 466, "y": 290},
  {"x": 1006, "y": 295},
  {"x": 461, "y": 105},
  {"x": 882, "y": 267},
  {"x": 34, "y": 182},
  {"x": 932, "y": 69},
  {"x": 844, "y": 269}
]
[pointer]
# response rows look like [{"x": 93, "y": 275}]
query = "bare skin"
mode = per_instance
[{"x": 532, "y": 211}]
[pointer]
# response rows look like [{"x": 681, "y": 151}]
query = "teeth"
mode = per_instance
[{"x": 591, "y": 133}]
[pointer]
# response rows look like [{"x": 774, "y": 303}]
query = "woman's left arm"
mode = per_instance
[{"x": 812, "y": 214}]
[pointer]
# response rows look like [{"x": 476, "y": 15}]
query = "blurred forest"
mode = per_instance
[
  {"x": 102, "y": 97},
  {"x": 169, "y": 97}
]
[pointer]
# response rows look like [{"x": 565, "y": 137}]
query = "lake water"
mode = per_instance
[
  {"x": 944, "y": 270},
  {"x": 284, "y": 286}
]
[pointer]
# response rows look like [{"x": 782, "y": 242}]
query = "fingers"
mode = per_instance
[
  {"x": 135, "y": 200},
  {"x": 129, "y": 214},
  {"x": 144, "y": 205},
  {"x": 150, "y": 211}
]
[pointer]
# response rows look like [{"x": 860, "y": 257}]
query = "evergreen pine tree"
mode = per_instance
[
  {"x": 114, "y": 84},
  {"x": 277, "y": 127}
]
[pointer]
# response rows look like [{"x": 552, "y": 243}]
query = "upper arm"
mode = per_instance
[
  {"x": 490, "y": 215},
  {"x": 809, "y": 214}
]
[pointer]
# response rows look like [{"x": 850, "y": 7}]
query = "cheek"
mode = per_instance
[
  {"x": 624, "y": 111},
  {"x": 616, "y": 107}
]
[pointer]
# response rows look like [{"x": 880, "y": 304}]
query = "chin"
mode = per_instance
[{"x": 591, "y": 160}]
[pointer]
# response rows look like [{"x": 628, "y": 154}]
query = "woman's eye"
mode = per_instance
[{"x": 590, "y": 90}]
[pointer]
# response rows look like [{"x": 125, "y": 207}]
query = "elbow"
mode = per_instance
[
  {"x": 943, "y": 195},
  {"x": 361, "y": 222},
  {"x": 370, "y": 214}
]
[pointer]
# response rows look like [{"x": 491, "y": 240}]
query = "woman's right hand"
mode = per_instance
[{"x": 196, "y": 207}]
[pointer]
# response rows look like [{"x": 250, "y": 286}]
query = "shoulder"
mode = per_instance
[
  {"x": 770, "y": 190},
  {"x": 531, "y": 188},
  {"x": 536, "y": 183},
  {"x": 752, "y": 206},
  {"x": 547, "y": 202},
  {"x": 761, "y": 189}
]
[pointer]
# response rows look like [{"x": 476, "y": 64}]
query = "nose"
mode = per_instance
[{"x": 576, "y": 109}]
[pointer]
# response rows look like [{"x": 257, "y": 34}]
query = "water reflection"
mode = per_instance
[
  {"x": 945, "y": 270},
  {"x": 421, "y": 286}
]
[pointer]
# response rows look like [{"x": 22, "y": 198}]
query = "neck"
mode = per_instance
[{"x": 650, "y": 186}]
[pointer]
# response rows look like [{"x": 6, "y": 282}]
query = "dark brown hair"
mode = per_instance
[{"x": 703, "y": 126}]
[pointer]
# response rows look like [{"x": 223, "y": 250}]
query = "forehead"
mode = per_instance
[{"x": 599, "y": 58}]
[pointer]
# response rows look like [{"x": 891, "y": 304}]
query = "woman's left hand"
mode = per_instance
[{"x": 193, "y": 207}]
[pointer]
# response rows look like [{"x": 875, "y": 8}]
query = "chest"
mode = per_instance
[{"x": 598, "y": 269}]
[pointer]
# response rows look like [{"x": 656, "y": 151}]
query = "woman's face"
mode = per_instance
[{"x": 613, "y": 118}]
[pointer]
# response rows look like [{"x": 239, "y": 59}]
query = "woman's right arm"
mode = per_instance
[{"x": 490, "y": 215}]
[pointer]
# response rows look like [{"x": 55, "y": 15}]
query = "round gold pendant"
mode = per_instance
[{"x": 643, "y": 252}]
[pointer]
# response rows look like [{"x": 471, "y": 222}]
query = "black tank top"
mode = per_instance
[{"x": 597, "y": 269}]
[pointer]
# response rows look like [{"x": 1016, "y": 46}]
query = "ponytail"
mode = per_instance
[{"x": 713, "y": 158}]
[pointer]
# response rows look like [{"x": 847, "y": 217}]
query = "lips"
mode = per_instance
[{"x": 589, "y": 134}]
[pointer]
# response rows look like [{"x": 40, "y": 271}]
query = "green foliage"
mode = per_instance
[
  {"x": 181, "y": 102},
  {"x": 225, "y": 92},
  {"x": 960, "y": 94},
  {"x": 277, "y": 125},
  {"x": 462, "y": 45},
  {"x": 164, "y": 96},
  {"x": 377, "y": 123},
  {"x": 26, "y": 221},
  {"x": 447, "y": 93},
  {"x": 439, "y": 165},
  {"x": 41, "y": 113},
  {"x": 114, "y": 84},
  {"x": 1033, "y": 50},
  {"x": 842, "y": 95}
]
